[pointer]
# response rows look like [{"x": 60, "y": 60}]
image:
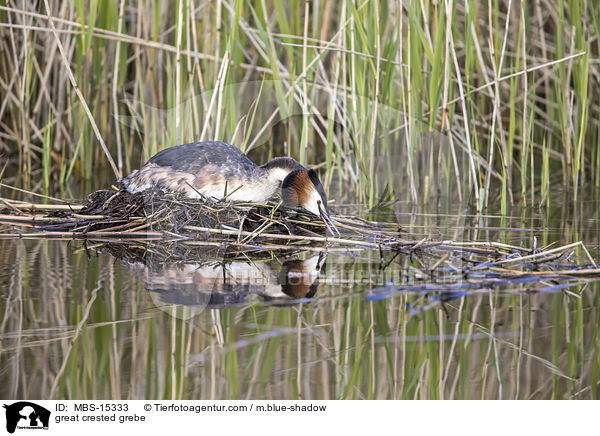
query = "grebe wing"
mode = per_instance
[{"x": 191, "y": 158}]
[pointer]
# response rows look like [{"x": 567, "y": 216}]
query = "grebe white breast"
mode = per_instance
[{"x": 222, "y": 171}]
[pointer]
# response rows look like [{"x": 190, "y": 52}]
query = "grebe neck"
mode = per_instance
[{"x": 279, "y": 168}]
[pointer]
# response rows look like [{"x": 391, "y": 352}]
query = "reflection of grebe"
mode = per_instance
[
  {"x": 220, "y": 170},
  {"x": 226, "y": 285}
]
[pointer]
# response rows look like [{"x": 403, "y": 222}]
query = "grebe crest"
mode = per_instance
[{"x": 222, "y": 171}]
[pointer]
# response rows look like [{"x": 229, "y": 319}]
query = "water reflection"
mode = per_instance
[
  {"x": 155, "y": 320},
  {"x": 218, "y": 283}
]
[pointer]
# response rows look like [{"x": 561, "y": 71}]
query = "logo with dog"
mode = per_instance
[{"x": 26, "y": 415}]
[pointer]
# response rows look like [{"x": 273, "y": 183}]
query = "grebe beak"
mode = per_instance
[{"x": 328, "y": 222}]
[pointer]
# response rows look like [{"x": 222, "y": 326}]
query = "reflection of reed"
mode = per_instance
[{"x": 509, "y": 345}]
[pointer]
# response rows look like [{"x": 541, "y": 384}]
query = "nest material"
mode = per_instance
[
  {"x": 109, "y": 210},
  {"x": 155, "y": 215},
  {"x": 120, "y": 204}
]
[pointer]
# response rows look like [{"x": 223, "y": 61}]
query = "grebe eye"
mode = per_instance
[{"x": 318, "y": 201}]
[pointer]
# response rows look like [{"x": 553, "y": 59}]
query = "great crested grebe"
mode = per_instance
[{"x": 222, "y": 171}]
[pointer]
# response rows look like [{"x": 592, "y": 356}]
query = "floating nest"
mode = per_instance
[
  {"x": 111, "y": 210},
  {"x": 157, "y": 215}
]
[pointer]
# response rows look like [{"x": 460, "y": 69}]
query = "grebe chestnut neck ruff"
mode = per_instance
[{"x": 222, "y": 171}]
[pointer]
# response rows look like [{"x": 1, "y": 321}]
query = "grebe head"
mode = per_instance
[{"x": 303, "y": 189}]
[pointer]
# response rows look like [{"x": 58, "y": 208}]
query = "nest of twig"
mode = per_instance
[
  {"x": 155, "y": 214},
  {"x": 108, "y": 210}
]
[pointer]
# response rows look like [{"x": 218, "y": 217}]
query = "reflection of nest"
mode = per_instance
[
  {"x": 181, "y": 252},
  {"x": 202, "y": 277}
]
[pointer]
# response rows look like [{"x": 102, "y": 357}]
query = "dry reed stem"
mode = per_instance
[
  {"x": 79, "y": 94},
  {"x": 541, "y": 254},
  {"x": 286, "y": 237}
]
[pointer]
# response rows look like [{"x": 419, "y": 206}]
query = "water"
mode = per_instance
[{"x": 104, "y": 320}]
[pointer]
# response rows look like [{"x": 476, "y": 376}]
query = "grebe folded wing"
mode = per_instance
[
  {"x": 194, "y": 157},
  {"x": 202, "y": 169}
]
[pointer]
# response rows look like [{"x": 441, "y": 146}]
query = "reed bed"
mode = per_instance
[{"x": 511, "y": 87}]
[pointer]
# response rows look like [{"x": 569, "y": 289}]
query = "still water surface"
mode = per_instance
[{"x": 100, "y": 320}]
